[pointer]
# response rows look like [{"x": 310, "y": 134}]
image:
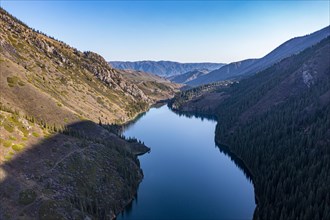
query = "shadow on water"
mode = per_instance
[
  {"x": 69, "y": 174},
  {"x": 222, "y": 148},
  {"x": 202, "y": 116},
  {"x": 237, "y": 161},
  {"x": 120, "y": 129},
  {"x": 128, "y": 213}
]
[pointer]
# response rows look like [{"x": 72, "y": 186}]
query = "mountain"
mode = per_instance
[
  {"x": 164, "y": 68},
  {"x": 55, "y": 74},
  {"x": 277, "y": 122},
  {"x": 153, "y": 86},
  {"x": 59, "y": 155},
  {"x": 189, "y": 76},
  {"x": 252, "y": 66}
]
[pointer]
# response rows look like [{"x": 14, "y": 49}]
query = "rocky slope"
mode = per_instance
[
  {"x": 56, "y": 75},
  {"x": 277, "y": 122},
  {"x": 56, "y": 162},
  {"x": 164, "y": 68},
  {"x": 251, "y": 66},
  {"x": 155, "y": 87}
]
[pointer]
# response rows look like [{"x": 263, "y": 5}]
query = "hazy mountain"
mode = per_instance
[
  {"x": 252, "y": 66},
  {"x": 277, "y": 122},
  {"x": 57, "y": 156},
  {"x": 189, "y": 76},
  {"x": 164, "y": 68}
]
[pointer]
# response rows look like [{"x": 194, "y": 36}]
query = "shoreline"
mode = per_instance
[
  {"x": 225, "y": 147},
  {"x": 252, "y": 176},
  {"x": 121, "y": 128}
]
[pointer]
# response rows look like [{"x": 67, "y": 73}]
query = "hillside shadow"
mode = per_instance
[
  {"x": 67, "y": 175},
  {"x": 119, "y": 129}
]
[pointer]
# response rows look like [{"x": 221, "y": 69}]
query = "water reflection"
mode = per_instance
[
  {"x": 201, "y": 116},
  {"x": 238, "y": 162},
  {"x": 185, "y": 175}
]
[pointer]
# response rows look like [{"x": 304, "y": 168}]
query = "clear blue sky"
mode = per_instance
[{"x": 216, "y": 31}]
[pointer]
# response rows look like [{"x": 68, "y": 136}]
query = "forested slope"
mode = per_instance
[
  {"x": 278, "y": 123},
  {"x": 251, "y": 66}
]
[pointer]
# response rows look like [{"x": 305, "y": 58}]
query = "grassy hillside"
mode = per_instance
[
  {"x": 82, "y": 171},
  {"x": 54, "y": 82},
  {"x": 278, "y": 123},
  {"x": 155, "y": 87},
  {"x": 56, "y": 161}
]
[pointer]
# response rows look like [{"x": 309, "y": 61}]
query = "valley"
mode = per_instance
[{"x": 84, "y": 137}]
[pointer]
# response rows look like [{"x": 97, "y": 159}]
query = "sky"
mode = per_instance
[{"x": 183, "y": 31}]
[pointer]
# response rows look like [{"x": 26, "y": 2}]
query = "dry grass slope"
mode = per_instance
[
  {"x": 55, "y": 161},
  {"x": 60, "y": 84}
]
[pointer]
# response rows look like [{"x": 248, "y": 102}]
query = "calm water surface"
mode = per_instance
[{"x": 185, "y": 174}]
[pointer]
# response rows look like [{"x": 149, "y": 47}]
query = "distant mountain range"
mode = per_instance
[
  {"x": 164, "y": 68},
  {"x": 252, "y": 66}
]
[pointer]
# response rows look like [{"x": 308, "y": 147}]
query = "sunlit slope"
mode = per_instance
[{"x": 48, "y": 79}]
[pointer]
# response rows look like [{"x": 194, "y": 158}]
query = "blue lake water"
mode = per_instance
[{"x": 186, "y": 176}]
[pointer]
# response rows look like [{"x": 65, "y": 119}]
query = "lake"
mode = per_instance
[{"x": 186, "y": 176}]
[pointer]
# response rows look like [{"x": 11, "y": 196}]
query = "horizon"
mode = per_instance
[{"x": 169, "y": 31}]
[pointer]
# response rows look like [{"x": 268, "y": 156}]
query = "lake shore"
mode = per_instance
[{"x": 197, "y": 172}]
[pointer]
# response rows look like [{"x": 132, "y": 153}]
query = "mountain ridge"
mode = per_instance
[
  {"x": 277, "y": 121},
  {"x": 164, "y": 68},
  {"x": 251, "y": 66},
  {"x": 189, "y": 76}
]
